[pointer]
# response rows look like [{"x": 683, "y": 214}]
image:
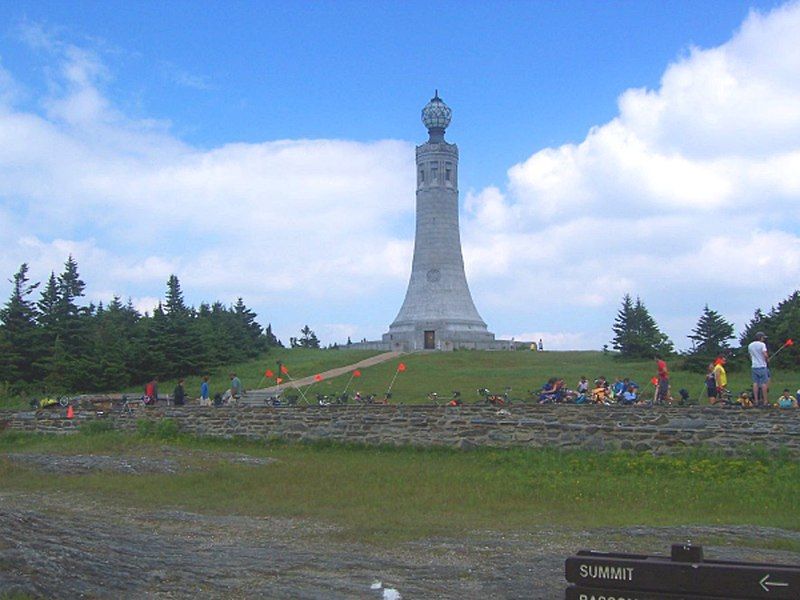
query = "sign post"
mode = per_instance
[{"x": 685, "y": 575}]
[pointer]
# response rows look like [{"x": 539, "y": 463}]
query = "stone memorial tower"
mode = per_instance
[{"x": 438, "y": 311}]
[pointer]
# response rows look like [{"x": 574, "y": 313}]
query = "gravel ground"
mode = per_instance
[
  {"x": 56, "y": 546},
  {"x": 165, "y": 460}
]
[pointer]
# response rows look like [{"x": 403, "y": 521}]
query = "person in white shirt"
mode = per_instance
[{"x": 760, "y": 372}]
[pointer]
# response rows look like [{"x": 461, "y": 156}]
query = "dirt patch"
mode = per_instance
[
  {"x": 165, "y": 460},
  {"x": 59, "y": 547}
]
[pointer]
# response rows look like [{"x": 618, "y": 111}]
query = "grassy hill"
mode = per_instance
[
  {"x": 465, "y": 371},
  {"x": 522, "y": 371}
]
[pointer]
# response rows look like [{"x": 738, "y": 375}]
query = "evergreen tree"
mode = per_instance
[
  {"x": 780, "y": 324},
  {"x": 709, "y": 340},
  {"x": 624, "y": 327},
  {"x": 636, "y": 334},
  {"x": 70, "y": 288},
  {"x": 248, "y": 330},
  {"x": 58, "y": 343},
  {"x": 70, "y": 362},
  {"x": 711, "y": 334},
  {"x": 271, "y": 339},
  {"x": 759, "y": 322},
  {"x": 113, "y": 356},
  {"x": 48, "y": 308},
  {"x": 308, "y": 338},
  {"x": 175, "y": 306},
  {"x": 20, "y": 335},
  {"x": 182, "y": 341}
]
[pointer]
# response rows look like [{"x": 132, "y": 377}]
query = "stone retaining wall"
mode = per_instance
[{"x": 659, "y": 430}]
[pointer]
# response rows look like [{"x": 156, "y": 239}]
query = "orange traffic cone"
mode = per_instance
[{"x": 70, "y": 412}]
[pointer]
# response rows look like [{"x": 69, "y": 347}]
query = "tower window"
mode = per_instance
[
  {"x": 434, "y": 172},
  {"x": 422, "y": 175},
  {"x": 448, "y": 172}
]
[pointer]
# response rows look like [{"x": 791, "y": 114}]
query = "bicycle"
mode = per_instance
[{"x": 495, "y": 399}]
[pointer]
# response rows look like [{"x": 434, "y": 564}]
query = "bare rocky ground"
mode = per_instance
[{"x": 59, "y": 546}]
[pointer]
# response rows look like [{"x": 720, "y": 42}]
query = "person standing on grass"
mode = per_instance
[
  {"x": 662, "y": 390},
  {"x": 151, "y": 391},
  {"x": 205, "y": 399},
  {"x": 760, "y": 373},
  {"x": 720, "y": 377},
  {"x": 236, "y": 387},
  {"x": 711, "y": 384},
  {"x": 179, "y": 394}
]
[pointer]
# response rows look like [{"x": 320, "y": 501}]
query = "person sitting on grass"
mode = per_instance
[
  {"x": 583, "y": 385},
  {"x": 550, "y": 392},
  {"x": 629, "y": 396},
  {"x": 745, "y": 400},
  {"x": 618, "y": 388},
  {"x": 787, "y": 400},
  {"x": 601, "y": 393},
  {"x": 582, "y": 398}
]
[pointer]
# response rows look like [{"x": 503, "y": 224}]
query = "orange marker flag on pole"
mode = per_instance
[
  {"x": 790, "y": 342},
  {"x": 317, "y": 377},
  {"x": 284, "y": 370},
  {"x": 401, "y": 367},
  {"x": 279, "y": 380},
  {"x": 269, "y": 374},
  {"x": 356, "y": 373}
]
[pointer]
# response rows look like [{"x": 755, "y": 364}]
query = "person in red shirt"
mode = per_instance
[
  {"x": 151, "y": 391},
  {"x": 662, "y": 393}
]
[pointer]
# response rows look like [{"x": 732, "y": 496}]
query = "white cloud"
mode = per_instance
[
  {"x": 690, "y": 195},
  {"x": 133, "y": 203}
]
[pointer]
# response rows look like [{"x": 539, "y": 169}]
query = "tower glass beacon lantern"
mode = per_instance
[{"x": 438, "y": 312}]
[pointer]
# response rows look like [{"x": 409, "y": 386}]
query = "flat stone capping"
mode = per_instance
[{"x": 660, "y": 430}]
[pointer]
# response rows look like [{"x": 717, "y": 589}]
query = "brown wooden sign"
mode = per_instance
[{"x": 685, "y": 575}]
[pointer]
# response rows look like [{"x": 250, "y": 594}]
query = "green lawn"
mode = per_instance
[
  {"x": 300, "y": 362},
  {"x": 465, "y": 371},
  {"x": 522, "y": 371},
  {"x": 404, "y": 493}
]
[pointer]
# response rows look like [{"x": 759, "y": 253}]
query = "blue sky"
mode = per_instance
[{"x": 266, "y": 150}]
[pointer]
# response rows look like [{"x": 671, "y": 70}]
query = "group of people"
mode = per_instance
[
  {"x": 178, "y": 397},
  {"x": 601, "y": 391},
  {"x": 627, "y": 392},
  {"x": 623, "y": 390}
]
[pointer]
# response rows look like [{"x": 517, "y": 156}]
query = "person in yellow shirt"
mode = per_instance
[{"x": 720, "y": 377}]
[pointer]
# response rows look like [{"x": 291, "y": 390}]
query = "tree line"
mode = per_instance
[
  {"x": 54, "y": 344},
  {"x": 637, "y": 335}
]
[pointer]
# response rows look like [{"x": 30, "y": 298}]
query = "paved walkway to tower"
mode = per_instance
[{"x": 252, "y": 396}]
